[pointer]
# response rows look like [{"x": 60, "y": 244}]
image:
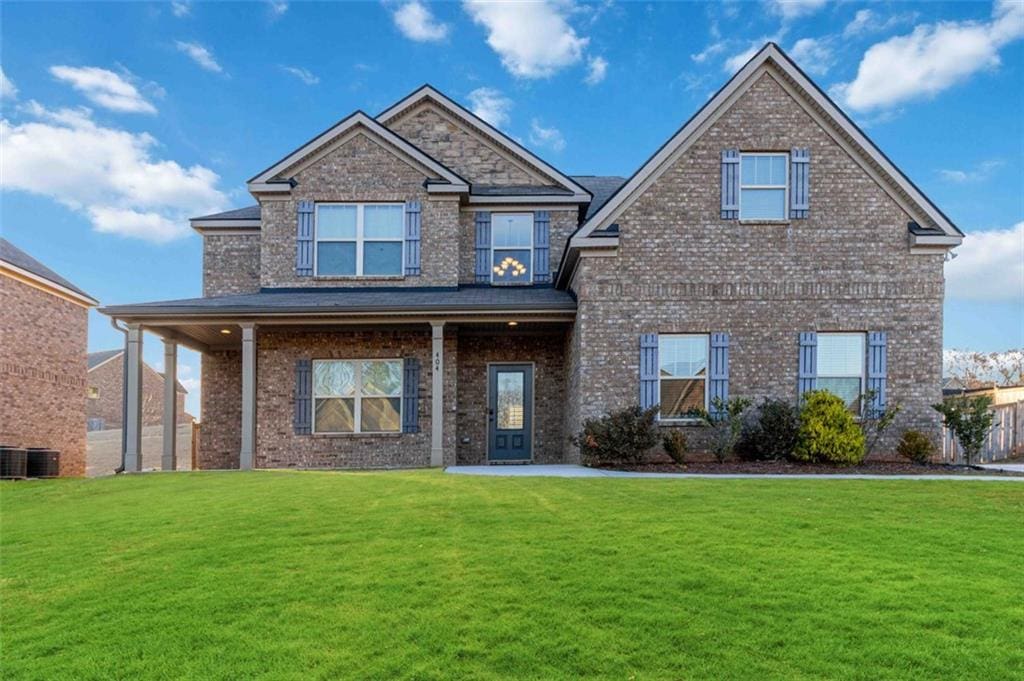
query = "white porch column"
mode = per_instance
[
  {"x": 133, "y": 400},
  {"x": 169, "y": 460},
  {"x": 437, "y": 395},
  {"x": 245, "y": 458}
]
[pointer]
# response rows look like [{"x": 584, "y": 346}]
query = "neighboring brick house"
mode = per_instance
[
  {"x": 105, "y": 393},
  {"x": 418, "y": 289},
  {"x": 43, "y": 340}
]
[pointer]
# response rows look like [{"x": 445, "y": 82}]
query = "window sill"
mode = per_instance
[
  {"x": 681, "y": 422},
  {"x": 356, "y": 277},
  {"x": 356, "y": 435},
  {"x": 776, "y": 223}
]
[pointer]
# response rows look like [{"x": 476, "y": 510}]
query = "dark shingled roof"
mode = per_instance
[
  {"x": 96, "y": 358},
  {"x": 247, "y": 213},
  {"x": 19, "y": 258},
  {"x": 601, "y": 186},
  {"x": 518, "y": 190},
  {"x": 361, "y": 300}
]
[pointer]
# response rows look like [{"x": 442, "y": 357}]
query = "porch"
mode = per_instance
[{"x": 457, "y": 385}]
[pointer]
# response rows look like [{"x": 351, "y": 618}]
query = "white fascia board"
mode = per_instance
[
  {"x": 227, "y": 231},
  {"x": 936, "y": 240},
  {"x": 234, "y": 224},
  {"x": 47, "y": 285},
  {"x": 270, "y": 187},
  {"x": 594, "y": 242},
  {"x": 262, "y": 182},
  {"x": 720, "y": 102},
  {"x": 484, "y": 128},
  {"x": 447, "y": 188}
]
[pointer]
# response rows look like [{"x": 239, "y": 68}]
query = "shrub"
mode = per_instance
[
  {"x": 915, "y": 446},
  {"x": 726, "y": 422},
  {"x": 970, "y": 419},
  {"x": 769, "y": 432},
  {"x": 828, "y": 432},
  {"x": 618, "y": 437},
  {"x": 674, "y": 443},
  {"x": 874, "y": 423}
]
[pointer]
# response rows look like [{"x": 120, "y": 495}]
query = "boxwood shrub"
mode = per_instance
[{"x": 828, "y": 432}]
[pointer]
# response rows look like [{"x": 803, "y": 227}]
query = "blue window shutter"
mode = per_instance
[
  {"x": 648, "y": 370},
  {"x": 799, "y": 183},
  {"x": 541, "y": 246},
  {"x": 730, "y": 184},
  {"x": 877, "y": 370},
  {"x": 807, "y": 375},
  {"x": 719, "y": 373},
  {"x": 303, "y": 418},
  {"x": 411, "y": 395},
  {"x": 304, "y": 240},
  {"x": 483, "y": 247},
  {"x": 412, "y": 239}
]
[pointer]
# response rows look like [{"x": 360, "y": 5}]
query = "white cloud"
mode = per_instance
[
  {"x": 490, "y": 105},
  {"x": 736, "y": 62},
  {"x": 813, "y": 56},
  {"x": 108, "y": 174},
  {"x": 989, "y": 266},
  {"x": 931, "y": 59},
  {"x": 793, "y": 9},
  {"x": 181, "y": 8},
  {"x": 199, "y": 55},
  {"x": 596, "y": 71},
  {"x": 709, "y": 51},
  {"x": 866, "y": 21},
  {"x": 546, "y": 137},
  {"x": 104, "y": 88},
  {"x": 277, "y": 8},
  {"x": 7, "y": 88},
  {"x": 302, "y": 74},
  {"x": 416, "y": 22},
  {"x": 533, "y": 39},
  {"x": 979, "y": 173}
]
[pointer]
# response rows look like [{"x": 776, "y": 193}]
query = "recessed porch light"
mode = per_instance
[
  {"x": 225, "y": 331},
  {"x": 513, "y": 323}
]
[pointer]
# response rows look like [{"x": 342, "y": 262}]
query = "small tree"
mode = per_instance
[
  {"x": 618, "y": 437},
  {"x": 828, "y": 431},
  {"x": 874, "y": 423},
  {"x": 970, "y": 419},
  {"x": 726, "y": 422}
]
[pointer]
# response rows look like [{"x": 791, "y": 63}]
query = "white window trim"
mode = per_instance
[
  {"x": 359, "y": 240},
  {"x": 784, "y": 186},
  {"x": 529, "y": 274},
  {"x": 863, "y": 365},
  {"x": 707, "y": 368},
  {"x": 357, "y": 408}
]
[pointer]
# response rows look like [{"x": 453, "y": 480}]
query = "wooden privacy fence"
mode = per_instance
[{"x": 1005, "y": 439}]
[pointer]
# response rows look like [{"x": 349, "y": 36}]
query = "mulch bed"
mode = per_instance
[{"x": 787, "y": 467}]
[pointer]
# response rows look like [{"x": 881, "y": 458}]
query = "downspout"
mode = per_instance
[{"x": 124, "y": 393}]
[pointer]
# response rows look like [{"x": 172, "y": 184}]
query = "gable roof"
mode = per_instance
[
  {"x": 20, "y": 262},
  {"x": 837, "y": 123},
  {"x": 482, "y": 127},
  {"x": 602, "y": 187},
  {"x": 269, "y": 181},
  {"x": 97, "y": 359}
]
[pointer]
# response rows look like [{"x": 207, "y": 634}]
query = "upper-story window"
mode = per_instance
[
  {"x": 511, "y": 248},
  {"x": 359, "y": 239},
  {"x": 841, "y": 364},
  {"x": 682, "y": 374},
  {"x": 764, "y": 186}
]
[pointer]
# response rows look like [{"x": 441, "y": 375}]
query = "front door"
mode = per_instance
[{"x": 509, "y": 412}]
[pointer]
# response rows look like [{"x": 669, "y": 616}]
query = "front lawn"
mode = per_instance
[{"x": 426, "y": 575}]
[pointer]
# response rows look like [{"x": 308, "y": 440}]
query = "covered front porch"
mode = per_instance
[{"x": 390, "y": 387}]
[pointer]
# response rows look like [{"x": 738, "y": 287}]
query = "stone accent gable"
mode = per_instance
[
  {"x": 231, "y": 264},
  {"x": 360, "y": 169},
  {"x": 471, "y": 155}
]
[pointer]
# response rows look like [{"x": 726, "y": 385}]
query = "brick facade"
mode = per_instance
[
  {"x": 231, "y": 264},
  {"x": 680, "y": 268},
  {"x": 43, "y": 341},
  {"x": 564, "y": 222},
  {"x": 220, "y": 436},
  {"x": 108, "y": 380}
]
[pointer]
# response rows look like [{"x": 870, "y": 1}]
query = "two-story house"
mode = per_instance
[{"x": 417, "y": 288}]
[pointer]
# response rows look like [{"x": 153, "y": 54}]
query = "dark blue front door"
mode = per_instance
[{"x": 510, "y": 412}]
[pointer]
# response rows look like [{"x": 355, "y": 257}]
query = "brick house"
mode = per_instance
[
  {"x": 417, "y": 288},
  {"x": 104, "y": 392},
  {"x": 43, "y": 340}
]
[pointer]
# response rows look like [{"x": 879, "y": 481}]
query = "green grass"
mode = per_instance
[{"x": 425, "y": 575}]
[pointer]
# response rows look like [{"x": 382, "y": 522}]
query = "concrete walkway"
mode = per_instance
[
  {"x": 1015, "y": 467},
  {"x": 571, "y": 471}
]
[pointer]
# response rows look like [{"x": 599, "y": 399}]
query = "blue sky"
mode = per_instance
[{"x": 122, "y": 120}]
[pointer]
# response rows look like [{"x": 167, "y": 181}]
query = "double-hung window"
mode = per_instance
[
  {"x": 682, "y": 375},
  {"x": 841, "y": 365},
  {"x": 764, "y": 186},
  {"x": 359, "y": 240},
  {"x": 511, "y": 248},
  {"x": 357, "y": 396}
]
